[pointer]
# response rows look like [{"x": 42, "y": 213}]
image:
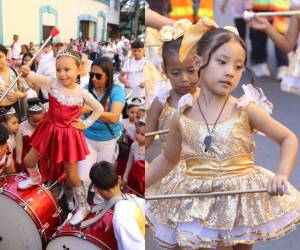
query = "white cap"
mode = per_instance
[{"x": 57, "y": 40}]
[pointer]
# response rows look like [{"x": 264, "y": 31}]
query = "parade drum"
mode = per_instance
[
  {"x": 99, "y": 235},
  {"x": 28, "y": 218}
]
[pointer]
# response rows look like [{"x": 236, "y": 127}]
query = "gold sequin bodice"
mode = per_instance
[
  {"x": 165, "y": 120},
  {"x": 232, "y": 137}
]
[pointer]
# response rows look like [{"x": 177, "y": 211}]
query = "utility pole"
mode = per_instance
[{"x": 136, "y": 18}]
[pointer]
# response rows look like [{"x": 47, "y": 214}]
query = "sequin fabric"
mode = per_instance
[
  {"x": 68, "y": 100},
  {"x": 164, "y": 121},
  {"x": 138, "y": 152},
  {"x": 232, "y": 137}
]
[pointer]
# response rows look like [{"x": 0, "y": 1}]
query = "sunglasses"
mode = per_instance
[{"x": 98, "y": 75}]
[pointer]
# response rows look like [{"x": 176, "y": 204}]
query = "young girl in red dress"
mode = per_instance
[
  {"x": 50, "y": 171},
  {"x": 5, "y": 162},
  {"x": 9, "y": 119},
  {"x": 128, "y": 126},
  {"x": 134, "y": 174},
  {"x": 59, "y": 134}
]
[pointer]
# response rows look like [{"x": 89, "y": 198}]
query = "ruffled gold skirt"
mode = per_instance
[{"x": 221, "y": 220}]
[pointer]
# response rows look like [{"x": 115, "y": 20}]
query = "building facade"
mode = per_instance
[
  {"x": 113, "y": 19},
  {"x": 32, "y": 20}
]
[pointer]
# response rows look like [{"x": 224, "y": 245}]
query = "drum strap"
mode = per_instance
[{"x": 108, "y": 205}]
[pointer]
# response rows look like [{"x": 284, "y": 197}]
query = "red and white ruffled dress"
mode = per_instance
[
  {"x": 54, "y": 136},
  {"x": 50, "y": 171},
  {"x": 129, "y": 135},
  {"x": 4, "y": 163},
  {"x": 135, "y": 170}
]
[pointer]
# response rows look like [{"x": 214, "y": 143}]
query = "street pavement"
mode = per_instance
[{"x": 286, "y": 111}]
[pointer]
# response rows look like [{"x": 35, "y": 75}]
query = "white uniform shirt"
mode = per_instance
[
  {"x": 135, "y": 75},
  {"x": 15, "y": 51},
  {"x": 47, "y": 68},
  {"x": 126, "y": 229}
]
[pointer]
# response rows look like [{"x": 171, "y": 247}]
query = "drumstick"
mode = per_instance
[
  {"x": 153, "y": 45},
  {"x": 62, "y": 178},
  {"x": 129, "y": 94},
  {"x": 54, "y": 31},
  {"x": 158, "y": 132},
  {"x": 249, "y": 14},
  {"x": 207, "y": 194},
  {"x": 133, "y": 191}
]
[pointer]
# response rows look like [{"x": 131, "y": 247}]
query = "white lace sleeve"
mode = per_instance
[
  {"x": 40, "y": 81},
  {"x": 255, "y": 95},
  {"x": 185, "y": 102},
  {"x": 94, "y": 105}
]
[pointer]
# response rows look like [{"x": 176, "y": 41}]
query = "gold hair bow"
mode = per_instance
[
  {"x": 168, "y": 33},
  {"x": 194, "y": 33}
]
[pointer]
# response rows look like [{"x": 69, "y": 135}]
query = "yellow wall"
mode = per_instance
[{"x": 22, "y": 17}]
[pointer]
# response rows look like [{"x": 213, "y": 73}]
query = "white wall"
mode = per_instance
[{"x": 22, "y": 17}]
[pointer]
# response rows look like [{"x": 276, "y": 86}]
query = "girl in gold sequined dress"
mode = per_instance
[
  {"x": 183, "y": 78},
  {"x": 213, "y": 133}
]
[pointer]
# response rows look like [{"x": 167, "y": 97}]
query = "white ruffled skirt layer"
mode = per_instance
[{"x": 221, "y": 221}]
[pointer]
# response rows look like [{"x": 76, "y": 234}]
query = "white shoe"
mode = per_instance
[
  {"x": 27, "y": 183},
  {"x": 80, "y": 215},
  {"x": 281, "y": 72},
  {"x": 83, "y": 207},
  {"x": 261, "y": 70}
]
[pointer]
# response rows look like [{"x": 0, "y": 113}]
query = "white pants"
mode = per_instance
[{"x": 99, "y": 151}]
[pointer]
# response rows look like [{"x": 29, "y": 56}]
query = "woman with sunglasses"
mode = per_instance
[{"x": 101, "y": 136}]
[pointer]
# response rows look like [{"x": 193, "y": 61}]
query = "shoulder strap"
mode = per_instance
[
  {"x": 108, "y": 205},
  {"x": 110, "y": 130},
  {"x": 106, "y": 107},
  {"x": 14, "y": 70}
]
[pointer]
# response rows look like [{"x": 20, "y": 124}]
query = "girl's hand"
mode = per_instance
[
  {"x": 14, "y": 96},
  {"x": 79, "y": 124},
  {"x": 259, "y": 23},
  {"x": 278, "y": 185},
  {"x": 142, "y": 85},
  {"x": 127, "y": 85},
  {"x": 3, "y": 89},
  {"x": 25, "y": 70}
]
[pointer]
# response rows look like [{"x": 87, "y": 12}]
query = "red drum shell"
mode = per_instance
[
  {"x": 99, "y": 235},
  {"x": 37, "y": 202}
]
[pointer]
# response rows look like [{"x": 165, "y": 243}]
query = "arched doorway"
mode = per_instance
[
  {"x": 48, "y": 18},
  {"x": 87, "y": 26}
]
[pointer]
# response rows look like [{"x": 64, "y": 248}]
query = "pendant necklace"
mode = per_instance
[{"x": 208, "y": 138}]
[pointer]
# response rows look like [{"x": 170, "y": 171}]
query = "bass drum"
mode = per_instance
[
  {"x": 99, "y": 235},
  {"x": 28, "y": 217}
]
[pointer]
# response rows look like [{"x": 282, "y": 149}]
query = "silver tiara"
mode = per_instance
[
  {"x": 142, "y": 121},
  {"x": 65, "y": 52},
  {"x": 36, "y": 108},
  {"x": 137, "y": 101},
  {"x": 12, "y": 111}
]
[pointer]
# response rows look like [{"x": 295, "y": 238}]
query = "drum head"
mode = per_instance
[
  {"x": 17, "y": 229},
  {"x": 72, "y": 243}
]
